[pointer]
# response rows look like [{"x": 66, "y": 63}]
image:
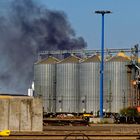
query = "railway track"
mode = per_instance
[
  {"x": 97, "y": 132},
  {"x": 72, "y": 136}
]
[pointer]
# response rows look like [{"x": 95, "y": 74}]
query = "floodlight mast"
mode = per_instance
[{"x": 102, "y": 12}]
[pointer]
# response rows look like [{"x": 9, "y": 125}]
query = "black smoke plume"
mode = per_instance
[{"x": 24, "y": 30}]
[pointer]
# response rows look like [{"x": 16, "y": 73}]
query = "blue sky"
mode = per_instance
[{"x": 122, "y": 27}]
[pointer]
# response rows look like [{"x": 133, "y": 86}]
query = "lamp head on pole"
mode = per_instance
[{"x": 103, "y": 12}]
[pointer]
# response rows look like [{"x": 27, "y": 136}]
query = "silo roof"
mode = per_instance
[
  {"x": 121, "y": 56},
  {"x": 94, "y": 58},
  {"x": 49, "y": 60},
  {"x": 71, "y": 59}
]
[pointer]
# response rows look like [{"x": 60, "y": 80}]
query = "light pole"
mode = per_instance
[{"x": 102, "y": 12}]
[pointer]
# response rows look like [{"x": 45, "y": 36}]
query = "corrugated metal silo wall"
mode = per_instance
[
  {"x": 89, "y": 87},
  {"x": 67, "y": 87},
  {"x": 45, "y": 80},
  {"x": 116, "y": 86}
]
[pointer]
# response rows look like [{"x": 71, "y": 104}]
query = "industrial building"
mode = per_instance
[
  {"x": 116, "y": 83},
  {"x": 89, "y": 84},
  {"x": 45, "y": 82},
  {"x": 67, "y": 85},
  {"x": 71, "y": 84}
]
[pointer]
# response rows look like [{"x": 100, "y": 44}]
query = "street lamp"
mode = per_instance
[{"x": 102, "y": 12}]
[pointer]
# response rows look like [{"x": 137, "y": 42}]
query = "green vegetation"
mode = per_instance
[{"x": 129, "y": 111}]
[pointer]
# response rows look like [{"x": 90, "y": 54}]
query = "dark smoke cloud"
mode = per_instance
[{"x": 26, "y": 29}]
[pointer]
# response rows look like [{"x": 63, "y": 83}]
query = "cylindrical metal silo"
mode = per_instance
[
  {"x": 89, "y": 84},
  {"x": 67, "y": 85},
  {"x": 116, "y": 83},
  {"x": 45, "y": 82}
]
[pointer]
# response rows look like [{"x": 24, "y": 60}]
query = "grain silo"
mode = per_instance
[
  {"x": 45, "y": 82},
  {"x": 116, "y": 83},
  {"x": 89, "y": 84},
  {"x": 67, "y": 85}
]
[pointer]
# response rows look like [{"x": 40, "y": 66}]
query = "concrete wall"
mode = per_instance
[
  {"x": 21, "y": 113},
  {"x": 4, "y": 112},
  {"x": 101, "y": 120}
]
